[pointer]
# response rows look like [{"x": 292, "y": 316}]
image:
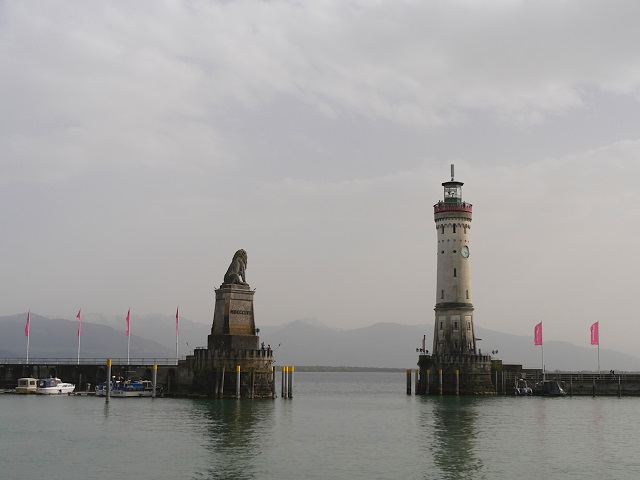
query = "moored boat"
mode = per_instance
[
  {"x": 522, "y": 389},
  {"x": 549, "y": 388},
  {"x": 134, "y": 387},
  {"x": 54, "y": 386},
  {"x": 27, "y": 385},
  {"x": 101, "y": 389}
]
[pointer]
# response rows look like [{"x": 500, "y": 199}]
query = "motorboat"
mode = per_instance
[
  {"x": 101, "y": 389},
  {"x": 522, "y": 389},
  {"x": 549, "y": 388},
  {"x": 27, "y": 385},
  {"x": 54, "y": 386},
  {"x": 134, "y": 387}
]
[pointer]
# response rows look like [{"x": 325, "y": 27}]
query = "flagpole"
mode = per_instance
[
  {"x": 177, "y": 332},
  {"x": 128, "y": 320},
  {"x": 543, "y": 372},
  {"x": 79, "y": 332},
  {"x": 28, "y": 329}
]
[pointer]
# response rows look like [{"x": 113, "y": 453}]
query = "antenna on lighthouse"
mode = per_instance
[{"x": 452, "y": 172}]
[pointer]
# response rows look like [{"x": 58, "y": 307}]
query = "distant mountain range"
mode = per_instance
[{"x": 302, "y": 342}]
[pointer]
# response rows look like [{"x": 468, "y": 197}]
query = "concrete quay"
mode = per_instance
[{"x": 87, "y": 375}]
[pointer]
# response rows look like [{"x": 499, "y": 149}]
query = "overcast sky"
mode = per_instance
[{"x": 143, "y": 143}]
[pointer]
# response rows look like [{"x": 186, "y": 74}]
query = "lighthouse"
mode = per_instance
[
  {"x": 455, "y": 365},
  {"x": 453, "y": 329}
]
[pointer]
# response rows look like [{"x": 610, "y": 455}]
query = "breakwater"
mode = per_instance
[{"x": 89, "y": 373}]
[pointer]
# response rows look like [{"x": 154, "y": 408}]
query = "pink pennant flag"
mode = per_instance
[
  {"x": 595, "y": 337},
  {"x": 128, "y": 319},
  {"x": 26, "y": 327},
  {"x": 537, "y": 334},
  {"x": 79, "y": 322},
  {"x": 177, "y": 325}
]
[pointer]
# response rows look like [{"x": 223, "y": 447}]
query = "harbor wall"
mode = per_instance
[{"x": 86, "y": 376}]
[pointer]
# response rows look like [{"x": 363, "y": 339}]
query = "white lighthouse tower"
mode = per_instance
[
  {"x": 453, "y": 329},
  {"x": 454, "y": 366}
]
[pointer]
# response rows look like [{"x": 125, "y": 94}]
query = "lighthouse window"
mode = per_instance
[
  {"x": 441, "y": 325},
  {"x": 443, "y": 229},
  {"x": 467, "y": 294},
  {"x": 454, "y": 229},
  {"x": 441, "y": 293},
  {"x": 455, "y": 345},
  {"x": 468, "y": 325},
  {"x": 454, "y": 273},
  {"x": 455, "y": 325}
]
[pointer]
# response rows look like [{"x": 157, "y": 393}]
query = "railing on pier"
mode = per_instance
[{"x": 90, "y": 361}]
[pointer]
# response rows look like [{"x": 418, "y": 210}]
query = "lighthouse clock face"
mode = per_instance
[{"x": 464, "y": 251}]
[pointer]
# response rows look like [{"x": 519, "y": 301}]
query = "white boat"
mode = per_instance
[
  {"x": 101, "y": 389},
  {"x": 54, "y": 386},
  {"x": 27, "y": 385},
  {"x": 132, "y": 388}
]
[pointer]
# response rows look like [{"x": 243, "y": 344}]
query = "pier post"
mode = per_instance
[
  {"x": 440, "y": 375},
  {"x": 593, "y": 388},
  {"x": 253, "y": 383},
  {"x": 619, "y": 388},
  {"x": 273, "y": 382},
  {"x": 408, "y": 382},
  {"x": 108, "y": 384},
  {"x": 290, "y": 382},
  {"x": 428, "y": 381},
  {"x": 222, "y": 384},
  {"x": 79, "y": 388},
  {"x": 457, "y": 382},
  {"x": 283, "y": 382},
  {"x": 571, "y": 385},
  {"x": 417, "y": 383},
  {"x": 155, "y": 380},
  {"x": 238, "y": 381}
]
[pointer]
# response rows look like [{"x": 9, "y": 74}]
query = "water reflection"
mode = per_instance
[
  {"x": 235, "y": 433},
  {"x": 453, "y": 437}
]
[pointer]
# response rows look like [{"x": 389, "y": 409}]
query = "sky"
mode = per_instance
[{"x": 143, "y": 143}]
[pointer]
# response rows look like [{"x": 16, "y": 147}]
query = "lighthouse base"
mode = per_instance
[{"x": 455, "y": 374}]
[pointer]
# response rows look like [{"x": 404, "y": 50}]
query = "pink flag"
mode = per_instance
[
  {"x": 79, "y": 322},
  {"x": 177, "y": 325},
  {"x": 26, "y": 327},
  {"x": 537, "y": 334},
  {"x": 595, "y": 340},
  {"x": 128, "y": 318}
]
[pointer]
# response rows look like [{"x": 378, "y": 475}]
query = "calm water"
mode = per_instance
[{"x": 338, "y": 426}]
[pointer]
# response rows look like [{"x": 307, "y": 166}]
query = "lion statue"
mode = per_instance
[{"x": 235, "y": 273}]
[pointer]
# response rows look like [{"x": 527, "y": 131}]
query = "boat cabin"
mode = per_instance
[{"x": 27, "y": 385}]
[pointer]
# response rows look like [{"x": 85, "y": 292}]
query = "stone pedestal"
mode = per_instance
[
  {"x": 232, "y": 344},
  {"x": 233, "y": 319},
  {"x": 474, "y": 377}
]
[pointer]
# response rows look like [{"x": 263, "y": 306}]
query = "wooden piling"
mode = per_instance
[
  {"x": 408, "y": 382},
  {"x": 253, "y": 383},
  {"x": 155, "y": 380},
  {"x": 273, "y": 382},
  {"x": 417, "y": 382},
  {"x": 619, "y": 388},
  {"x": 238, "y": 381},
  {"x": 222, "y": 384},
  {"x": 457, "y": 382},
  {"x": 283, "y": 382},
  {"x": 571, "y": 385},
  {"x": 108, "y": 384},
  {"x": 440, "y": 375},
  {"x": 290, "y": 382},
  {"x": 428, "y": 382}
]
